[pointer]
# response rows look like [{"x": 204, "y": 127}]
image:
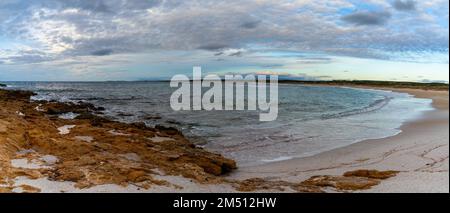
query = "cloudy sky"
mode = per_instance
[{"x": 405, "y": 40}]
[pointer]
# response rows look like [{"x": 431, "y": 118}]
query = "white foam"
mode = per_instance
[
  {"x": 277, "y": 159},
  {"x": 68, "y": 116}
]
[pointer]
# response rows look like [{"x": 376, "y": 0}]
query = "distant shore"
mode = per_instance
[{"x": 383, "y": 85}]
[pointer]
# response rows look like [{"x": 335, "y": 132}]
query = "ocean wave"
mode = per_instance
[{"x": 375, "y": 106}]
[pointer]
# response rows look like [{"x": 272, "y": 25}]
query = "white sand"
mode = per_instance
[
  {"x": 64, "y": 130},
  {"x": 47, "y": 186},
  {"x": 420, "y": 152},
  {"x": 25, "y": 164},
  {"x": 158, "y": 139},
  {"x": 115, "y": 133},
  {"x": 88, "y": 139}
]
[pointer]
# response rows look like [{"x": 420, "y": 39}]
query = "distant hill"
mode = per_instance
[{"x": 391, "y": 84}]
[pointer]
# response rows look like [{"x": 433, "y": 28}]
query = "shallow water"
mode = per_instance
[{"x": 311, "y": 119}]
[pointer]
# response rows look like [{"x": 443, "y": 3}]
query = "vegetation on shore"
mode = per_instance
[{"x": 367, "y": 83}]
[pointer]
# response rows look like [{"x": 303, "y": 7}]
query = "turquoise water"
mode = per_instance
[{"x": 311, "y": 119}]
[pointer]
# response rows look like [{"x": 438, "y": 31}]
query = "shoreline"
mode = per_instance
[
  {"x": 423, "y": 166},
  {"x": 42, "y": 152},
  {"x": 349, "y": 169}
]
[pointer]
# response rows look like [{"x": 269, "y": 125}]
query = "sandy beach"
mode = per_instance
[
  {"x": 420, "y": 153},
  {"x": 161, "y": 160}
]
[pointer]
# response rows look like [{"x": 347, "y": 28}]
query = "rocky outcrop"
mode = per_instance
[
  {"x": 350, "y": 181},
  {"x": 373, "y": 174},
  {"x": 57, "y": 108},
  {"x": 31, "y": 130}
]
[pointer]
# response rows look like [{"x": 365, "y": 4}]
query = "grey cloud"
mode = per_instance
[
  {"x": 368, "y": 18},
  {"x": 26, "y": 56},
  {"x": 103, "y": 52},
  {"x": 212, "y": 47},
  {"x": 103, "y": 6},
  {"x": 30, "y": 58},
  {"x": 405, "y": 5},
  {"x": 237, "y": 54},
  {"x": 250, "y": 24}
]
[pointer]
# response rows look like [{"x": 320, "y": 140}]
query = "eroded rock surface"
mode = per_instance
[{"x": 102, "y": 159}]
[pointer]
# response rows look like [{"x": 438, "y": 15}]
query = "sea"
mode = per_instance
[{"x": 311, "y": 119}]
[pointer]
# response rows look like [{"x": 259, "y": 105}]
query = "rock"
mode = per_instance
[
  {"x": 140, "y": 125},
  {"x": 173, "y": 122},
  {"x": 173, "y": 157},
  {"x": 3, "y": 126},
  {"x": 123, "y": 114},
  {"x": 254, "y": 184},
  {"x": 258, "y": 184},
  {"x": 168, "y": 130},
  {"x": 6, "y": 189},
  {"x": 16, "y": 95},
  {"x": 57, "y": 108},
  {"x": 137, "y": 176},
  {"x": 342, "y": 183},
  {"x": 105, "y": 160},
  {"x": 215, "y": 165},
  {"x": 29, "y": 189},
  {"x": 152, "y": 117},
  {"x": 32, "y": 174},
  {"x": 382, "y": 175},
  {"x": 95, "y": 120},
  {"x": 63, "y": 174}
]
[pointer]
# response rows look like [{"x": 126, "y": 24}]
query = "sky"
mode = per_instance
[{"x": 98, "y": 40}]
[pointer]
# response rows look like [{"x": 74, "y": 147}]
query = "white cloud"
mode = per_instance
[{"x": 60, "y": 29}]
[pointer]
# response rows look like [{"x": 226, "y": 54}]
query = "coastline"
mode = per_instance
[
  {"x": 420, "y": 153},
  {"x": 42, "y": 152},
  {"x": 422, "y": 163}
]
